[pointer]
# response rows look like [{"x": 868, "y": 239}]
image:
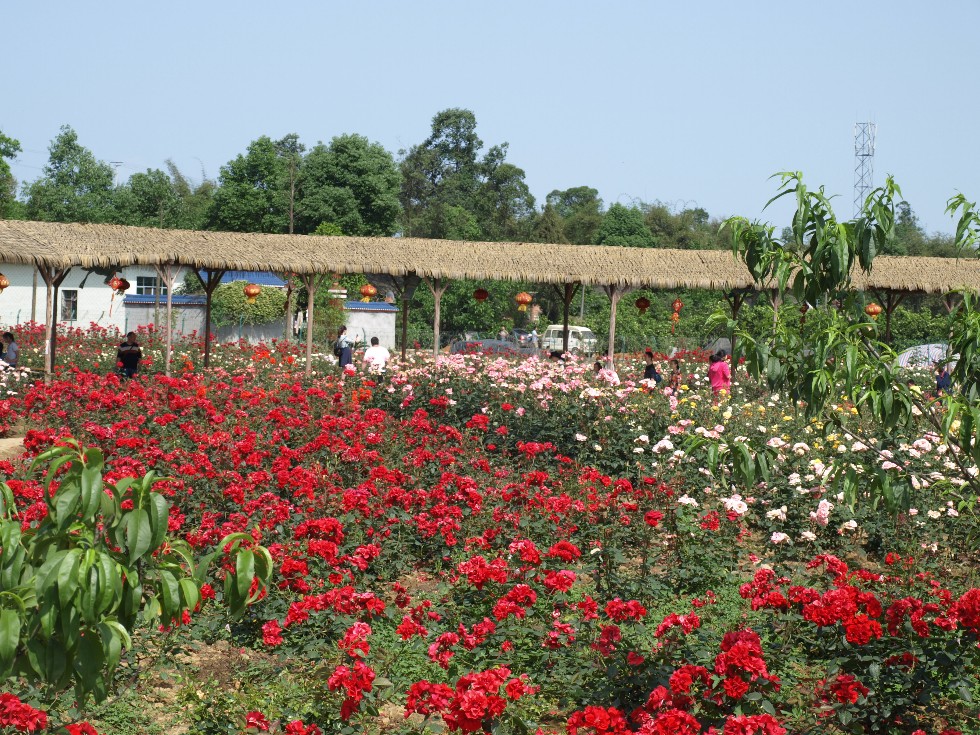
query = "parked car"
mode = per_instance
[
  {"x": 521, "y": 336},
  {"x": 580, "y": 339},
  {"x": 490, "y": 347}
]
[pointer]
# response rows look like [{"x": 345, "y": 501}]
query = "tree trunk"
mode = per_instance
[{"x": 438, "y": 287}]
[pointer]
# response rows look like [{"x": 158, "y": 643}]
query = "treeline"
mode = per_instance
[{"x": 447, "y": 186}]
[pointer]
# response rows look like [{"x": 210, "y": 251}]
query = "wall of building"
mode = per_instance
[
  {"x": 368, "y": 324},
  {"x": 94, "y": 302}
]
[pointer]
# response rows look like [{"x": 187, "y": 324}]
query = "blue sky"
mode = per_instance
[{"x": 682, "y": 102}]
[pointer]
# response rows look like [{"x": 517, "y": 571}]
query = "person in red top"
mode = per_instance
[{"x": 719, "y": 374}]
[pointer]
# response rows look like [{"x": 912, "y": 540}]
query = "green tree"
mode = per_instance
[
  {"x": 148, "y": 200},
  {"x": 580, "y": 209},
  {"x": 290, "y": 150},
  {"x": 9, "y": 148},
  {"x": 74, "y": 186},
  {"x": 446, "y": 171},
  {"x": 251, "y": 195},
  {"x": 352, "y": 183},
  {"x": 229, "y": 305},
  {"x": 549, "y": 227},
  {"x": 624, "y": 226}
]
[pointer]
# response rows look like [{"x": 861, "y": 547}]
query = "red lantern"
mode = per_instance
[
  {"x": 643, "y": 303},
  {"x": 675, "y": 317},
  {"x": 368, "y": 292},
  {"x": 4, "y": 282},
  {"x": 481, "y": 295},
  {"x": 123, "y": 286},
  {"x": 115, "y": 282},
  {"x": 873, "y": 310},
  {"x": 251, "y": 292},
  {"x": 803, "y": 310},
  {"x": 677, "y": 306},
  {"x": 523, "y": 299}
]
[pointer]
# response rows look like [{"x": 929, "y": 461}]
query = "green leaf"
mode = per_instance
[
  {"x": 10, "y": 625},
  {"x": 138, "y": 536},
  {"x": 244, "y": 572},
  {"x": 91, "y": 488},
  {"x": 68, "y": 576}
]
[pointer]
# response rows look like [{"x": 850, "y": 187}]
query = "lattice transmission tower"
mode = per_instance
[{"x": 864, "y": 162}]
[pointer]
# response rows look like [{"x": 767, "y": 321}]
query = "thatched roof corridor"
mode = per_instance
[{"x": 69, "y": 245}]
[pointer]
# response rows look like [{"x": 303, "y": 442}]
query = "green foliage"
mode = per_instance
[
  {"x": 9, "y": 148},
  {"x": 352, "y": 183},
  {"x": 74, "y": 187},
  {"x": 229, "y": 305},
  {"x": 624, "y": 226},
  {"x": 580, "y": 209},
  {"x": 444, "y": 177},
  {"x": 250, "y": 196},
  {"x": 76, "y": 585}
]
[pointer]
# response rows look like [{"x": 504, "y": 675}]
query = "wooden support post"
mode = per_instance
[
  {"x": 211, "y": 282},
  {"x": 890, "y": 300},
  {"x": 438, "y": 287},
  {"x": 53, "y": 278},
  {"x": 566, "y": 293},
  {"x": 615, "y": 293},
  {"x": 312, "y": 283},
  {"x": 735, "y": 299},
  {"x": 169, "y": 274}
]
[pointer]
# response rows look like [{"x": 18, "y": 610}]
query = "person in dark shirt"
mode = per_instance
[
  {"x": 128, "y": 356},
  {"x": 944, "y": 381},
  {"x": 11, "y": 352},
  {"x": 650, "y": 371}
]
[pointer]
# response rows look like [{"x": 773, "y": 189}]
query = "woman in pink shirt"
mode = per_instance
[{"x": 719, "y": 374}]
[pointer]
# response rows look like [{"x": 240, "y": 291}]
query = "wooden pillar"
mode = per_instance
[
  {"x": 890, "y": 300},
  {"x": 312, "y": 282},
  {"x": 211, "y": 282},
  {"x": 615, "y": 293},
  {"x": 287, "y": 310},
  {"x": 169, "y": 274},
  {"x": 53, "y": 277},
  {"x": 566, "y": 293},
  {"x": 438, "y": 287},
  {"x": 735, "y": 299}
]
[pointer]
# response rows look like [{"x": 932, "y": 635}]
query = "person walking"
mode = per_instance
[
  {"x": 128, "y": 356},
  {"x": 11, "y": 352},
  {"x": 675, "y": 375},
  {"x": 650, "y": 372},
  {"x": 344, "y": 348},
  {"x": 376, "y": 357},
  {"x": 719, "y": 374},
  {"x": 944, "y": 381}
]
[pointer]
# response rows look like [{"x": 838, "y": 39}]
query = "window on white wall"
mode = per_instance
[
  {"x": 148, "y": 285},
  {"x": 69, "y": 305}
]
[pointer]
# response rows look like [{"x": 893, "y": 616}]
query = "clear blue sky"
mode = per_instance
[{"x": 681, "y": 102}]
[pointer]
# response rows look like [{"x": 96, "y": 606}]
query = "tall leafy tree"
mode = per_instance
[
  {"x": 549, "y": 227},
  {"x": 352, "y": 183},
  {"x": 290, "y": 150},
  {"x": 148, "y": 200},
  {"x": 74, "y": 186},
  {"x": 625, "y": 226},
  {"x": 196, "y": 200},
  {"x": 580, "y": 209},
  {"x": 251, "y": 194},
  {"x": 446, "y": 171},
  {"x": 9, "y": 148}
]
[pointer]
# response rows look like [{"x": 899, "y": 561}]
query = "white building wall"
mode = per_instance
[
  {"x": 95, "y": 301},
  {"x": 367, "y": 324}
]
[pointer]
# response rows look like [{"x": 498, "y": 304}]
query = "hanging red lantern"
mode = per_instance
[
  {"x": 122, "y": 287},
  {"x": 674, "y": 318},
  {"x": 873, "y": 310},
  {"x": 115, "y": 282},
  {"x": 251, "y": 292},
  {"x": 523, "y": 299},
  {"x": 481, "y": 295},
  {"x": 368, "y": 292},
  {"x": 4, "y": 282},
  {"x": 677, "y": 306},
  {"x": 643, "y": 303}
]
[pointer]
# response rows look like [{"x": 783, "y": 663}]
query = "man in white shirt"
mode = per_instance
[{"x": 376, "y": 357}]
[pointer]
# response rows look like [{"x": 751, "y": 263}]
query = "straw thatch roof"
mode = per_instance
[{"x": 64, "y": 245}]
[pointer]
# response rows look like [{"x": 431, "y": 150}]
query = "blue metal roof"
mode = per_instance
[
  {"x": 256, "y": 277},
  {"x": 176, "y": 299},
  {"x": 369, "y": 306}
]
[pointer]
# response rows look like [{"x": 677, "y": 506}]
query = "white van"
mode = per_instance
[{"x": 580, "y": 339}]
